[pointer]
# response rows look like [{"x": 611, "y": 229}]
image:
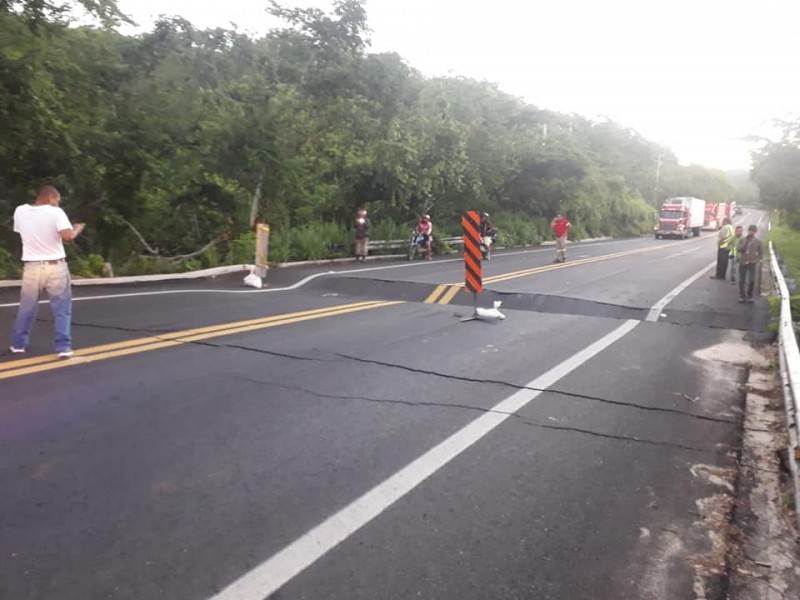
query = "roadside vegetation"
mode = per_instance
[
  {"x": 776, "y": 171},
  {"x": 172, "y": 144}
]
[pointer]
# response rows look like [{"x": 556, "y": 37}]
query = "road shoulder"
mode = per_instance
[{"x": 764, "y": 562}]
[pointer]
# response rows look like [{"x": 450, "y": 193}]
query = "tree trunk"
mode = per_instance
[{"x": 256, "y": 201}]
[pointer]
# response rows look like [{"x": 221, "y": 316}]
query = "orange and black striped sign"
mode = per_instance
[{"x": 472, "y": 252}]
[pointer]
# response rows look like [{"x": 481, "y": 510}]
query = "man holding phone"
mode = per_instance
[{"x": 43, "y": 227}]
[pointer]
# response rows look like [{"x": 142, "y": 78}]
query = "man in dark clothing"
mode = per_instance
[
  {"x": 750, "y": 255},
  {"x": 362, "y": 234}
]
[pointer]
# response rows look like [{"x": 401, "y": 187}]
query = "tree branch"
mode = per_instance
[
  {"x": 140, "y": 236},
  {"x": 211, "y": 244}
]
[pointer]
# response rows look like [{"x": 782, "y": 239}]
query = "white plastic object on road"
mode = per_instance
[
  {"x": 490, "y": 313},
  {"x": 253, "y": 280}
]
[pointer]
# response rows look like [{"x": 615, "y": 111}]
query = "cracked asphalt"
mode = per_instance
[{"x": 172, "y": 473}]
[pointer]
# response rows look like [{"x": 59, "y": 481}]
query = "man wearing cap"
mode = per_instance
[
  {"x": 43, "y": 227},
  {"x": 750, "y": 255}
]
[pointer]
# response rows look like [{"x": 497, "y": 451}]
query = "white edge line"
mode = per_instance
[
  {"x": 296, "y": 285},
  {"x": 272, "y": 574},
  {"x": 297, "y": 556},
  {"x": 655, "y": 312}
]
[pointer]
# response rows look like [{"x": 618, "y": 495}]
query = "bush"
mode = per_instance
[
  {"x": 210, "y": 258},
  {"x": 242, "y": 249},
  {"x": 517, "y": 230},
  {"x": 152, "y": 266},
  {"x": 90, "y": 266},
  {"x": 316, "y": 241},
  {"x": 787, "y": 244},
  {"x": 389, "y": 230},
  {"x": 307, "y": 244},
  {"x": 279, "y": 246},
  {"x": 9, "y": 268}
]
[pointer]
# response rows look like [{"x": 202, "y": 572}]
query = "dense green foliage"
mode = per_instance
[
  {"x": 787, "y": 243},
  {"x": 171, "y": 144},
  {"x": 776, "y": 171}
]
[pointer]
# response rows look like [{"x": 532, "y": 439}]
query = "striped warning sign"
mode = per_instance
[{"x": 472, "y": 252}]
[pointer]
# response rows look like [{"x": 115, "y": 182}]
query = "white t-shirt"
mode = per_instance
[{"x": 39, "y": 228}]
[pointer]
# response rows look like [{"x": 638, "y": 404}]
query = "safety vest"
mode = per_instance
[
  {"x": 735, "y": 247},
  {"x": 726, "y": 241}
]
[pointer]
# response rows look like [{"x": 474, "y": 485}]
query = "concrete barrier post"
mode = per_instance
[{"x": 262, "y": 250}]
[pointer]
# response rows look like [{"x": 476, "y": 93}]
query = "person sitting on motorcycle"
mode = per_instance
[
  {"x": 487, "y": 230},
  {"x": 425, "y": 229}
]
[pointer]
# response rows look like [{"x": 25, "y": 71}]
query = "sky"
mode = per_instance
[{"x": 698, "y": 76}]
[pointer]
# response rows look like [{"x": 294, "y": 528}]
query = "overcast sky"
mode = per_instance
[{"x": 695, "y": 75}]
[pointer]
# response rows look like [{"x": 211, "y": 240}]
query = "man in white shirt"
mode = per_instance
[{"x": 44, "y": 227}]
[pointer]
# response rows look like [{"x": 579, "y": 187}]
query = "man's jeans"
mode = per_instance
[
  {"x": 722, "y": 262},
  {"x": 53, "y": 279},
  {"x": 733, "y": 266},
  {"x": 747, "y": 279}
]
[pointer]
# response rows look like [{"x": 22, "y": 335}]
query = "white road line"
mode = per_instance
[
  {"x": 676, "y": 255},
  {"x": 303, "y": 281},
  {"x": 271, "y": 575},
  {"x": 655, "y": 312}
]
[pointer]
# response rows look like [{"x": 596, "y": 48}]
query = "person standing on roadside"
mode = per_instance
[
  {"x": 363, "y": 227},
  {"x": 43, "y": 227},
  {"x": 560, "y": 226},
  {"x": 750, "y": 255},
  {"x": 734, "y": 253},
  {"x": 425, "y": 229},
  {"x": 724, "y": 240}
]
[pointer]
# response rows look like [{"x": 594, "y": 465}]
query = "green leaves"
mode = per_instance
[
  {"x": 161, "y": 142},
  {"x": 775, "y": 171}
]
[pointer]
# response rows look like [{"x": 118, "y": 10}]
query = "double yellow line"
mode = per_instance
[
  {"x": 447, "y": 293},
  {"x": 439, "y": 296},
  {"x": 37, "y": 364},
  {"x": 574, "y": 263}
]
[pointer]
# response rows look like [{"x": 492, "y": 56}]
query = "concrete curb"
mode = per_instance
[
  {"x": 331, "y": 261},
  {"x": 202, "y": 274},
  {"x": 217, "y": 271}
]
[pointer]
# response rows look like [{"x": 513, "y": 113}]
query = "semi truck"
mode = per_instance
[
  {"x": 724, "y": 211},
  {"x": 680, "y": 217}
]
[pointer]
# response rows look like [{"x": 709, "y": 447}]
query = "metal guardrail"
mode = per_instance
[
  {"x": 789, "y": 354},
  {"x": 393, "y": 244}
]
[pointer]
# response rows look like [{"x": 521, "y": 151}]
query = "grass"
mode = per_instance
[{"x": 787, "y": 245}]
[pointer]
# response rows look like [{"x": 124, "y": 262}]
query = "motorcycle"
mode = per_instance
[
  {"x": 416, "y": 246},
  {"x": 486, "y": 246}
]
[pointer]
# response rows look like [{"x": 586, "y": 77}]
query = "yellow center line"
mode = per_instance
[
  {"x": 574, "y": 263},
  {"x": 174, "y": 334},
  {"x": 435, "y": 293},
  {"x": 97, "y": 353},
  {"x": 451, "y": 293}
]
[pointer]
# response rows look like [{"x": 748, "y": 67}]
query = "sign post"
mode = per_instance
[
  {"x": 262, "y": 249},
  {"x": 473, "y": 276}
]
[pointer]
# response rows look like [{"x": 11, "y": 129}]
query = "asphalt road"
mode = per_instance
[{"x": 343, "y": 435}]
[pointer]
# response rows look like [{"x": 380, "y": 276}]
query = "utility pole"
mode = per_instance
[{"x": 658, "y": 173}]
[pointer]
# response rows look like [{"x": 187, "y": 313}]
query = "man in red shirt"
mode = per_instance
[{"x": 560, "y": 227}]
